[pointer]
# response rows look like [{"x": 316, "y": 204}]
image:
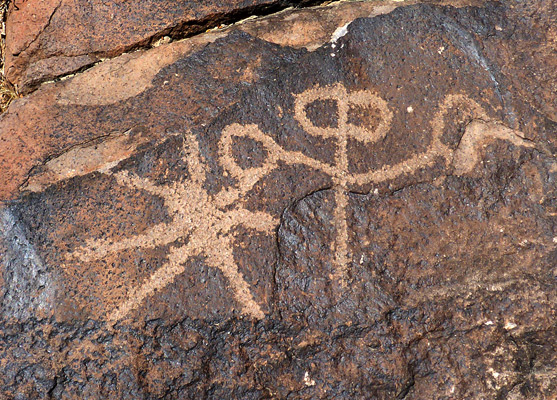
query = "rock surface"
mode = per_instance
[
  {"x": 50, "y": 38},
  {"x": 362, "y": 207}
]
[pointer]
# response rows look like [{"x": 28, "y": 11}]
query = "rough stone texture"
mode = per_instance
[
  {"x": 124, "y": 81},
  {"x": 50, "y": 38},
  {"x": 254, "y": 215}
]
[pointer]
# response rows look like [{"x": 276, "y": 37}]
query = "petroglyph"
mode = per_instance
[
  {"x": 477, "y": 132},
  {"x": 465, "y": 157},
  {"x": 206, "y": 222},
  {"x": 195, "y": 217}
]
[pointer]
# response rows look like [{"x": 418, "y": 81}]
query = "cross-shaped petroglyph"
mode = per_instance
[
  {"x": 206, "y": 222},
  {"x": 338, "y": 169}
]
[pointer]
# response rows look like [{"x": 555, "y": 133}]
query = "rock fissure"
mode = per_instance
[
  {"x": 38, "y": 35},
  {"x": 182, "y": 30},
  {"x": 96, "y": 154}
]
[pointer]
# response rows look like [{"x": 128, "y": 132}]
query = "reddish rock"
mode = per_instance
[
  {"x": 69, "y": 113},
  {"x": 47, "y": 39},
  {"x": 368, "y": 211}
]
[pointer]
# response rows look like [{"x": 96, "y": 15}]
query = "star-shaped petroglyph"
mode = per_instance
[
  {"x": 196, "y": 217},
  {"x": 206, "y": 222}
]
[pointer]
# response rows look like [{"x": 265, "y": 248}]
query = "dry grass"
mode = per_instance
[
  {"x": 7, "y": 91},
  {"x": 7, "y": 94}
]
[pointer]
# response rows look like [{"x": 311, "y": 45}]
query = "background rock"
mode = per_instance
[
  {"x": 47, "y": 39},
  {"x": 247, "y": 214}
]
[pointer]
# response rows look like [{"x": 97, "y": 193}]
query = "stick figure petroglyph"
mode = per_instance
[
  {"x": 196, "y": 217},
  {"x": 206, "y": 222}
]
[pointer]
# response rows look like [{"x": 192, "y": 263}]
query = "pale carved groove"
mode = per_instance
[{"x": 206, "y": 222}]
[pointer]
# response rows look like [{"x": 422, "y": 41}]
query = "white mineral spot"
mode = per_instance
[
  {"x": 494, "y": 373},
  {"x": 441, "y": 49},
  {"x": 510, "y": 325},
  {"x": 339, "y": 32},
  {"x": 410, "y": 109},
  {"x": 376, "y": 192},
  {"x": 307, "y": 380},
  {"x": 495, "y": 288},
  {"x": 163, "y": 40},
  {"x": 489, "y": 323},
  {"x": 555, "y": 239}
]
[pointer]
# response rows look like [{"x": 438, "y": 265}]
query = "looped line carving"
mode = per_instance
[{"x": 207, "y": 221}]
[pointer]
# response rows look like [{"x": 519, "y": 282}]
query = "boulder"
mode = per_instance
[
  {"x": 52, "y": 38},
  {"x": 358, "y": 207}
]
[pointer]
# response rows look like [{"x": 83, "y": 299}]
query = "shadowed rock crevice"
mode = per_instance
[{"x": 35, "y": 62}]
